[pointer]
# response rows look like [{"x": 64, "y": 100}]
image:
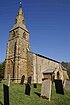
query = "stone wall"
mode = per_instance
[{"x": 41, "y": 63}]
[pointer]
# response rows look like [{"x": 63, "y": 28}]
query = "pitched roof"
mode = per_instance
[{"x": 45, "y": 57}]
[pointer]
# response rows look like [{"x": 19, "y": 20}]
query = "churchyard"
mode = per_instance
[{"x": 18, "y": 96}]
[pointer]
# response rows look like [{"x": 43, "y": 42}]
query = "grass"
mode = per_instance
[{"x": 18, "y": 96}]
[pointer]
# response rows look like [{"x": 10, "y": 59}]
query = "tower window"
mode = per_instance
[
  {"x": 23, "y": 21},
  {"x": 24, "y": 35},
  {"x": 13, "y": 33}
]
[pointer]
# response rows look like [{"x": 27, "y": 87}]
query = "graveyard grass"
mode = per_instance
[{"x": 18, "y": 96}]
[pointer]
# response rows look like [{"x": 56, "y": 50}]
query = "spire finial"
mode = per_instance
[{"x": 20, "y": 3}]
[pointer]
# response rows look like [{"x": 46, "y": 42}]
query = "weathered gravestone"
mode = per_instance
[
  {"x": 22, "y": 80},
  {"x": 6, "y": 95},
  {"x": 35, "y": 85},
  {"x": 67, "y": 84},
  {"x": 59, "y": 87},
  {"x": 27, "y": 89},
  {"x": 46, "y": 89}
]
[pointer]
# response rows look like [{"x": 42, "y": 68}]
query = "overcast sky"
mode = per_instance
[{"x": 48, "y": 22}]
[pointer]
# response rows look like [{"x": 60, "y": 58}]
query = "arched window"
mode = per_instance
[
  {"x": 24, "y": 35},
  {"x": 23, "y": 21}
]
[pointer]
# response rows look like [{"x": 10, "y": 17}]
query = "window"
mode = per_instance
[
  {"x": 24, "y": 35},
  {"x": 23, "y": 21}
]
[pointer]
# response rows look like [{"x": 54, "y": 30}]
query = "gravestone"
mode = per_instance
[
  {"x": 35, "y": 85},
  {"x": 59, "y": 87},
  {"x": 67, "y": 84},
  {"x": 6, "y": 95},
  {"x": 46, "y": 89},
  {"x": 22, "y": 80},
  {"x": 27, "y": 89}
]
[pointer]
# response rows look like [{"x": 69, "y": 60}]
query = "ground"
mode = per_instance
[{"x": 18, "y": 96}]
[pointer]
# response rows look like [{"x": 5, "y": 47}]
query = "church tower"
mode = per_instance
[{"x": 17, "y": 47}]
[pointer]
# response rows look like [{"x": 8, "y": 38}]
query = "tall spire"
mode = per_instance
[{"x": 20, "y": 21}]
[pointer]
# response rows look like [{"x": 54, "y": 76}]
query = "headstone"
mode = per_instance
[
  {"x": 8, "y": 79},
  {"x": 59, "y": 87},
  {"x": 35, "y": 85},
  {"x": 27, "y": 89},
  {"x": 67, "y": 84},
  {"x": 22, "y": 79},
  {"x": 6, "y": 95},
  {"x": 46, "y": 89}
]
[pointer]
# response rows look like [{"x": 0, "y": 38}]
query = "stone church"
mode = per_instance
[{"x": 22, "y": 64}]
